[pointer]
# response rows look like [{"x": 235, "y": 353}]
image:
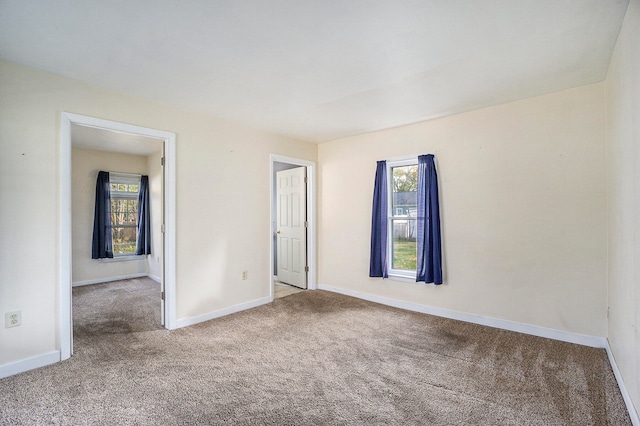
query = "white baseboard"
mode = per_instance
[
  {"x": 534, "y": 330},
  {"x": 118, "y": 278},
  {"x": 222, "y": 312},
  {"x": 27, "y": 364},
  {"x": 633, "y": 413},
  {"x": 108, "y": 279}
]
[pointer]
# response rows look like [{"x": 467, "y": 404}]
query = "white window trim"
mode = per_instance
[
  {"x": 396, "y": 274},
  {"x": 403, "y": 278},
  {"x": 123, "y": 258}
]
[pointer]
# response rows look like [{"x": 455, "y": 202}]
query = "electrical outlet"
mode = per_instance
[
  {"x": 12, "y": 319},
  {"x": 244, "y": 275}
]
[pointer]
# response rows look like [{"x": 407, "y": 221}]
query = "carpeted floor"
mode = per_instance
[{"x": 312, "y": 358}]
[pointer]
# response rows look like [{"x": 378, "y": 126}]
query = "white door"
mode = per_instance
[{"x": 291, "y": 205}]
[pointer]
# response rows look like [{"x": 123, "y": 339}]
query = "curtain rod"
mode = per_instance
[{"x": 407, "y": 157}]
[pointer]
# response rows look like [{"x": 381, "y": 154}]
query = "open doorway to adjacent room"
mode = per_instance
[
  {"x": 135, "y": 158},
  {"x": 109, "y": 292},
  {"x": 292, "y": 226}
]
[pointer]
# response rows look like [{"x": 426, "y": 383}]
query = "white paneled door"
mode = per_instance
[{"x": 292, "y": 226}]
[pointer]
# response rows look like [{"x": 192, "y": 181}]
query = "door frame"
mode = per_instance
[
  {"x": 311, "y": 218},
  {"x": 65, "y": 329}
]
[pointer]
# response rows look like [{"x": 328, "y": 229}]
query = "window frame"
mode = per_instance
[
  {"x": 399, "y": 274},
  {"x": 124, "y": 179}
]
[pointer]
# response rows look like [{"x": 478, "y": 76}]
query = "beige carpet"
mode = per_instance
[{"x": 312, "y": 358}]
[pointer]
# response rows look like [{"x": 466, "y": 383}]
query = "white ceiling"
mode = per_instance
[
  {"x": 109, "y": 140},
  {"x": 318, "y": 70}
]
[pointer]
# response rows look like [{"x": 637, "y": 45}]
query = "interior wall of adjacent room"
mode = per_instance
[
  {"x": 623, "y": 161},
  {"x": 222, "y": 186},
  {"x": 85, "y": 167},
  {"x": 155, "y": 203},
  {"x": 522, "y": 190}
]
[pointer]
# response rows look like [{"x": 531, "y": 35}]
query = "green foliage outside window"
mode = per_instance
[
  {"x": 405, "y": 180},
  {"x": 124, "y": 218}
]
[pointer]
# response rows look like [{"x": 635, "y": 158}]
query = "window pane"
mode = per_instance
[
  {"x": 125, "y": 187},
  {"x": 124, "y": 240},
  {"x": 404, "y": 211},
  {"x": 124, "y": 218},
  {"x": 404, "y": 244},
  {"x": 405, "y": 187}
]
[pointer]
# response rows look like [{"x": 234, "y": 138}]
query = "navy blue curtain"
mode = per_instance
[
  {"x": 429, "y": 268},
  {"x": 143, "y": 243},
  {"x": 379, "y": 221},
  {"x": 102, "y": 247}
]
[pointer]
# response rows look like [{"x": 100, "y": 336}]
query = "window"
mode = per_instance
[
  {"x": 405, "y": 221},
  {"x": 403, "y": 187},
  {"x": 124, "y": 213}
]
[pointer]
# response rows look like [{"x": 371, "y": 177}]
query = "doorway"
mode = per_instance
[
  {"x": 278, "y": 164},
  {"x": 291, "y": 226},
  {"x": 127, "y": 135},
  {"x": 127, "y": 158}
]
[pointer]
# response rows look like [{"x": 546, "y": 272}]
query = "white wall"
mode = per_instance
[
  {"x": 222, "y": 201},
  {"x": 522, "y": 189},
  {"x": 85, "y": 167},
  {"x": 28, "y": 218},
  {"x": 623, "y": 161}
]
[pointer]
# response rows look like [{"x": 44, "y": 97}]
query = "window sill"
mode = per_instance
[
  {"x": 405, "y": 278},
  {"x": 124, "y": 258}
]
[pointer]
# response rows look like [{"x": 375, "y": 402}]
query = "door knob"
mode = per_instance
[{"x": 278, "y": 231}]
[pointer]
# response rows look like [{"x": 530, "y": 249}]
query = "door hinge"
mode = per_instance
[
  {"x": 306, "y": 224},
  {"x": 162, "y": 228},
  {"x": 305, "y": 179},
  {"x": 306, "y": 269},
  {"x": 162, "y": 161},
  {"x": 162, "y": 295}
]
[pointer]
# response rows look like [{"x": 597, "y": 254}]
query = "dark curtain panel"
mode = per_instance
[
  {"x": 102, "y": 245},
  {"x": 429, "y": 268},
  {"x": 379, "y": 221},
  {"x": 143, "y": 243}
]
